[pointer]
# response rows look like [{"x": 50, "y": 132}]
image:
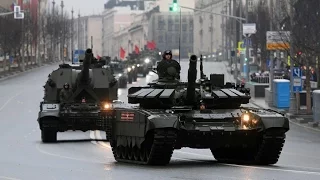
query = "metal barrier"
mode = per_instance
[{"x": 264, "y": 79}]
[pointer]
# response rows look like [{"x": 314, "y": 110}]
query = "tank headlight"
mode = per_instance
[
  {"x": 107, "y": 106},
  {"x": 245, "y": 117},
  {"x": 129, "y": 69},
  {"x": 138, "y": 65},
  {"x": 147, "y": 60},
  {"x": 133, "y": 67},
  {"x": 120, "y": 75}
]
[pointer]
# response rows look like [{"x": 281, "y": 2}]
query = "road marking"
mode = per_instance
[
  {"x": 8, "y": 178},
  {"x": 306, "y": 127},
  {"x": 260, "y": 168},
  {"x": 68, "y": 157},
  {"x": 9, "y": 100}
]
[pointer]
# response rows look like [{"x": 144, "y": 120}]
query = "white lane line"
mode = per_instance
[
  {"x": 306, "y": 127},
  {"x": 261, "y": 168},
  {"x": 9, "y": 100},
  {"x": 8, "y": 178},
  {"x": 67, "y": 157}
]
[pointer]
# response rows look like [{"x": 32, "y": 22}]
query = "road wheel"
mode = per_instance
[{"x": 48, "y": 135}]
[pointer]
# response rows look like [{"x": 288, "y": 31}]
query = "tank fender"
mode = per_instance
[
  {"x": 272, "y": 121},
  {"x": 49, "y": 110},
  {"x": 157, "y": 122},
  {"x": 47, "y": 114}
]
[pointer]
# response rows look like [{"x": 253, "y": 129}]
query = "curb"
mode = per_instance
[
  {"x": 290, "y": 120},
  {"x": 18, "y": 73}
]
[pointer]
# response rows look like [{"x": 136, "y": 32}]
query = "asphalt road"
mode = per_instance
[{"x": 79, "y": 156}]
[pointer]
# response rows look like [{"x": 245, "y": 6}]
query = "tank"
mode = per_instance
[
  {"x": 88, "y": 106},
  {"x": 203, "y": 114},
  {"x": 118, "y": 69}
]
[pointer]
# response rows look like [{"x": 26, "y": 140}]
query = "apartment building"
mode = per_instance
[{"x": 88, "y": 28}]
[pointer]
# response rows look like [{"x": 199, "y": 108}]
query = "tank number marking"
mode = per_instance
[
  {"x": 50, "y": 107},
  {"x": 127, "y": 116}
]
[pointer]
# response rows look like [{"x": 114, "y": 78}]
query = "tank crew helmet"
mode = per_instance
[
  {"x": 166, "y": 53},
  {"x": 66, "y": 86}
]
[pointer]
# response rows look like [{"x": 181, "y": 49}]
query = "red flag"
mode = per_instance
[
  {"x": 149, "y": 45},
  {"x": 122, "y": 53},
  {"x": 153, "y": 45},
  {"x": 136, "y": 49}
]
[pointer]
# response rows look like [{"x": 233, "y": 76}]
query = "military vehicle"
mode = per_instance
[
  {"x": 118, "y": 69},
  {"x": 88, "y": 108},
  {"x": 196, "y": 114}
]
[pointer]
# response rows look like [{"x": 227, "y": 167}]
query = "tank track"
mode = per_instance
[
  {"x": 267, "y": 152},
  {"x": 108, "y": 129},
  {"x": 154, "y": 151}
]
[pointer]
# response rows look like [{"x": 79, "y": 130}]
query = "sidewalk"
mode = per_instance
[
  {"x": 297, "y": 120},
  {"x": 15, "y": 72}
]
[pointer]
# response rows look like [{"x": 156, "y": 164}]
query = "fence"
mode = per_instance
[
  {"x": 4, "y": 64},
  {"x": 263, "y": 79}
]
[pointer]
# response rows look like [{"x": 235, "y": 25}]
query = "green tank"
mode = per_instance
[
  {"x": 88, "y": 105},
  {"x": 203, "y": 114}
]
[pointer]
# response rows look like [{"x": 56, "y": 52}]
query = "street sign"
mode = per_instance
[
  {"x": 247, "y": 42},
  {"x": 297, "y": 82},
  {"x": 278, "y": 40},
  {"x": 17, "y": 13},
  {"x": 249, "y": 28}
]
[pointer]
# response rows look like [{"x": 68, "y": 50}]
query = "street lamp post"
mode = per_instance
[
  {"x": 293, "y": 104},
  {"x": 39, "y": 61},
  {"x": 52, "y": 36},
  {"x": 62, "y": 44},
  {"x": 72, "y": 28}
]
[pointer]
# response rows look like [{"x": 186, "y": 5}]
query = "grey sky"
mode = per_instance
[{"x": 86, "y": 7}]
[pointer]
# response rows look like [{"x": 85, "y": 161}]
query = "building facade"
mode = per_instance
[
  {"x": 165, "y": 29},
  {"x": 5, "y": 4},
  {"x": 114, "y": 21},
  {"x": 88, "y": 28},
  {"x": 208, "y": 28}
]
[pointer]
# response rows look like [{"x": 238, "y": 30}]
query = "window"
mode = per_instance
[
  {"x": 184, "y": 19},
  {"x": 160, "y": 39},
  {"x": 177, "y": 27},
  {"x": 177, "y": 18},
  {"x": 184, "y": 38},
  {"x": 170, "y": 27},
  {"x": 177, "y": 38},
  {"x": 191, "y": 38},
  {"x": 169, "y": 38},
  {"x": 184, "y": 27}
]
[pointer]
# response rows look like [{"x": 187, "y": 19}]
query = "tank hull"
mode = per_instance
[
  {"x": 150, "y": 136},
  {"x": 83, "y": 119}
]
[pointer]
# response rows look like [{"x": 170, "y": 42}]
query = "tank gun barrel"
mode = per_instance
[
  {"x": 84, "y": 75},
  {"x": 192, "y": 76}
]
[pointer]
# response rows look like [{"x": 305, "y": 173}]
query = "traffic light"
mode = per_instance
[{"x": 174, "y": 6}]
